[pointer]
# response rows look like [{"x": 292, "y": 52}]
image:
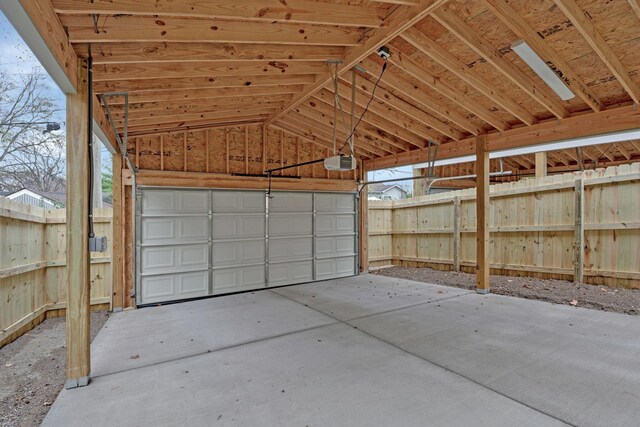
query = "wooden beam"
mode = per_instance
[
  {"x": 613, "y": 120},
  {"x": 507, "y": 15},
  {"x": 541, "y": 164},
  {"x": 193, "y": 117},
  {"x": 166, "y": 29},
  {"x": 189, "y": 95},
  {"x": 181, "y": 125},
  {"x": 397, "y": 22},
  {"x": 483, "y": 257},
  {"x": 77, "y": 230},
  {"x": 419, "y": 97},
  {"x": 214, "y": 180},
  {"x": 172, "y": 84},
  {"x": 162, "y": 70},
  {"x": 582, "y": 21},
  {"x": 579, "y": 212},
  {"x": 482, "y": 47},
  {"x": 363, "y": 211},
  {"x": 156, "y": 109},
  {"x": 439, "y": 54},
  {"x": 117, "y": 243},
  {"x": 131, "y": 52},
  {"x": 295, "y": 11},
  {"x": 40, "y": 28}
]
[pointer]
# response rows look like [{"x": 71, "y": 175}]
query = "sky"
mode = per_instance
[{"x": 17, "y": 59}]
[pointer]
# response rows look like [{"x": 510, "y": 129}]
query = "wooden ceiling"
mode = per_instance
[{"x": 452, "y": 75}]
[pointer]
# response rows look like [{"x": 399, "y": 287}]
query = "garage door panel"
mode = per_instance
[
  {"x": 335, "y": 224},
  {"x": 238, "y": 201},
  {"x": 158, "y": 259},
  {"x": 335, "y": 267},
  {"x": 210, "y": 242},
  {"x": 175, "y": 202},
  {"x": 290, "y": 272},
  {"x": 238, "y": 226},
  {"x": 174, "y": 229},
  {"x": 290, "y": 224},
  {"x": 235, "y": 253},
  {"x": 174, "y": 287},
  {"x": 333, "y": 246},
  {"x": 226, "y": 280},
  {"x": 288, "y": 249},
  {"x": 331, "y": 202},
  {"x": 290, "y": 202}
]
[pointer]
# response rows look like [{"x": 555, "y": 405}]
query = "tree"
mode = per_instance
[
  {"x": 29, "y": 156},
  {"x": 107, "y": 185}
]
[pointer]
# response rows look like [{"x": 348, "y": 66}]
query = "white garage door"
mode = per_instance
[{"x": 193, "y": 243}]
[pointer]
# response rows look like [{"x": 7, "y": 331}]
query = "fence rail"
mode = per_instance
[
  {"x": 32, "y": 260},
  {"x": 583, "y": 226}
]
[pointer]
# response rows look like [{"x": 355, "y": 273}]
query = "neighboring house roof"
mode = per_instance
[
  {"x": 383, "y": 188},
  {"x": 4, "y": 193}
]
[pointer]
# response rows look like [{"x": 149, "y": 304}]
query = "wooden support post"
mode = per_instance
[
  {"x": 78, "y": 274},
  {"x": 364, "y": 223},
  {"x": 482, "y": 215},
  {"x": 541, "y": 164},
  {"x": 456, "y": 233},
  {"x": 117, "y": 243},
  {"x": 226, "y": 150},
  {"x": 578, "y": 263}
]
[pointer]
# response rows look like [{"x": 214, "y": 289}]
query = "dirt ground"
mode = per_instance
[
  {"x": 32, "y": 371},
  {"x": 625, "y": 301}
]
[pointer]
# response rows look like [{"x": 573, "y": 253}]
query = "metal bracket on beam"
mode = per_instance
[{"x": 78, "y": 382}]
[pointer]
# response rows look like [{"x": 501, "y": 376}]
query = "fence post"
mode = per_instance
[
  {"x": 456, "y": 233},
  {"x": 578, "y": 247}
]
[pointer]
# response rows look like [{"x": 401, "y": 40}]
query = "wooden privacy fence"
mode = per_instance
[
  {"x": 584, "y": 225},
  {"x": 32, "y": 266}
]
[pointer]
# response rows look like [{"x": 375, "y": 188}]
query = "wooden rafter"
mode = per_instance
[
  {"x": 584, "y": 25},
  {"x": 420, "y": 98},
  {"x": 124, "y": 53},
  {"x": 436, "y": 52},
  {"x": 397, "y": 22},
  {"x": 457, "y": 26},
  {"x": 298, "y": 11},
  {"x": 323, "y": 114},
  {"x": 190, "y": 95},
  {"x": 172, "y": 84},
  {"x": 389, "y": 100},
  {"x": 376, "y": 120},
  {"x": 204, "y": 69},
  {"x": 415, "y": 70},
  {"x": 522, "y": 29},
  {"x": 383, "y": 109},
  {"x": 168, "y": 29}
]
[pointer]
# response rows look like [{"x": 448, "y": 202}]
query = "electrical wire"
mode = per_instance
[
  {"x": 90, "y": 140},
  {"x": 384, "y": 67}
]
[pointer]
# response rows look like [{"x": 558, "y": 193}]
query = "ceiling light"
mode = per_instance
[{"x": 542, "y": 69}]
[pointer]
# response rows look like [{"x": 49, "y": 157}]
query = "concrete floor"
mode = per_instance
[{"x": 360, "y": 351}]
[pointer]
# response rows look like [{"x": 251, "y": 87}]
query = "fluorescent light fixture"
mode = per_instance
[
  {"x": 563, "y": 144},
  {"x": 542, "y": 69}
]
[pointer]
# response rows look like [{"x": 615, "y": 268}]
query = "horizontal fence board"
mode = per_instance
[
  {"x": 33, "y": 279},
  {"x": 532, "y": 225}
]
